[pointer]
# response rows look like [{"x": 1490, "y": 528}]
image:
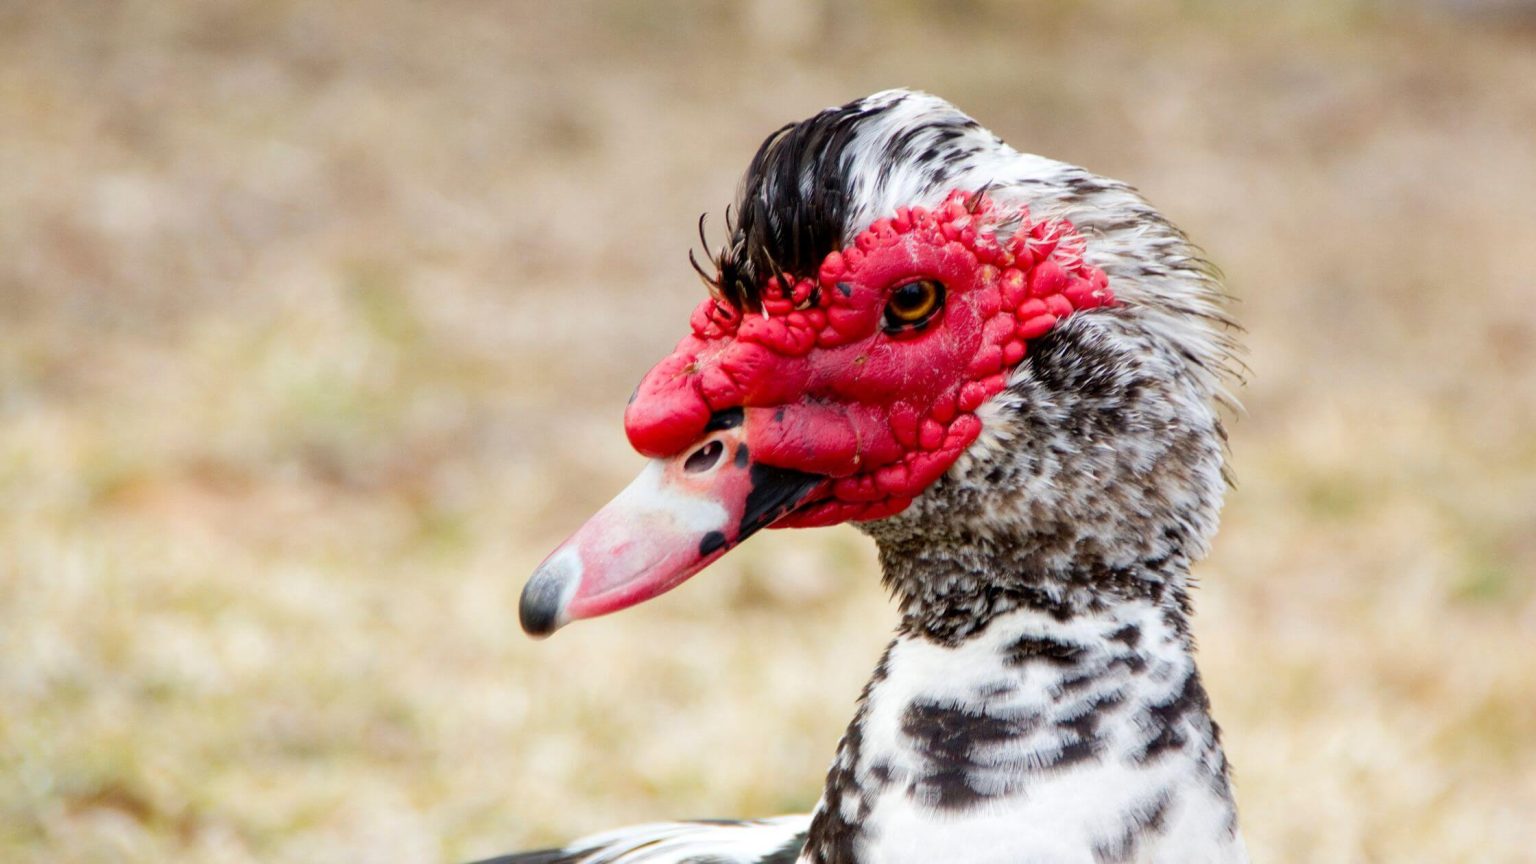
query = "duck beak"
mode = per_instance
[{"x": 672, "y": 521}]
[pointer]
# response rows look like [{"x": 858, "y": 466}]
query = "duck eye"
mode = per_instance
[{"x": 913, "y": 305}]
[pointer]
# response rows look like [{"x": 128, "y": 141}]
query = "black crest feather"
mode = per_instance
[{"x": 793, "y": 203}]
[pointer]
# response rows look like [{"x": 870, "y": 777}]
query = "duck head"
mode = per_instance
[{"x": 891, "y": 269}]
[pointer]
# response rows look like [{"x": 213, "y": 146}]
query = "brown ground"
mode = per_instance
[{"x": 316, "y": 322}]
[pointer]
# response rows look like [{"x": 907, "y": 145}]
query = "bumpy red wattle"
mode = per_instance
[{"x": 828, "y": 391}]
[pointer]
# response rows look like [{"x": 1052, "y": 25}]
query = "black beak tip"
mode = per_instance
[{"x": 539, "y": 609}]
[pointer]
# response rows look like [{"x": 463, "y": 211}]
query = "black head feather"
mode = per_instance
[
  {"x": 806, "y": 182},
  {"x": 793, "y": 203}
]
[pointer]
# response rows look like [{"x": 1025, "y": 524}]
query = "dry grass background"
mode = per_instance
[{"x": 316, "y": 323}]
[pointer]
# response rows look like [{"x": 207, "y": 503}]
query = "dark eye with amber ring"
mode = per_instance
[{"x": 913, "y": 305}]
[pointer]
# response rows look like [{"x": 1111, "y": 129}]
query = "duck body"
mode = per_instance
[{"x": 1040, "y": 700}]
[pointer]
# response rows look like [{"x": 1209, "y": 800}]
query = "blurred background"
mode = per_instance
[{"x": 317, "y": 322}]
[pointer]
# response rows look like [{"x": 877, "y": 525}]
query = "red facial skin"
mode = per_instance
[{"x": 826, "y": 390}]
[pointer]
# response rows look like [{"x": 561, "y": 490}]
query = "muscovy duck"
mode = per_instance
[{"x": 1007, "y": 371}]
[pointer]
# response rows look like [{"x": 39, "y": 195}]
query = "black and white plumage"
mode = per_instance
[{"x": 1040, "y": 700}]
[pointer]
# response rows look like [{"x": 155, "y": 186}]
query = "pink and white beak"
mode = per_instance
[{"x": 672, "y": 521}]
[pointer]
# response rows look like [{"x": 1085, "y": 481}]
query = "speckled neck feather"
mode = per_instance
[{"x": 1097, "y": 482}]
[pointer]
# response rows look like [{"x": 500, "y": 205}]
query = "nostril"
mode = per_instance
[{"x": 704, "y": 458}]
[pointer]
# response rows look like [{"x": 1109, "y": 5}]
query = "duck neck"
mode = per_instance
[{"x": 1030, "y": 713}]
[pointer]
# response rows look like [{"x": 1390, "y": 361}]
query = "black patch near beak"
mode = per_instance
[{"x": 775, "y": 492}]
